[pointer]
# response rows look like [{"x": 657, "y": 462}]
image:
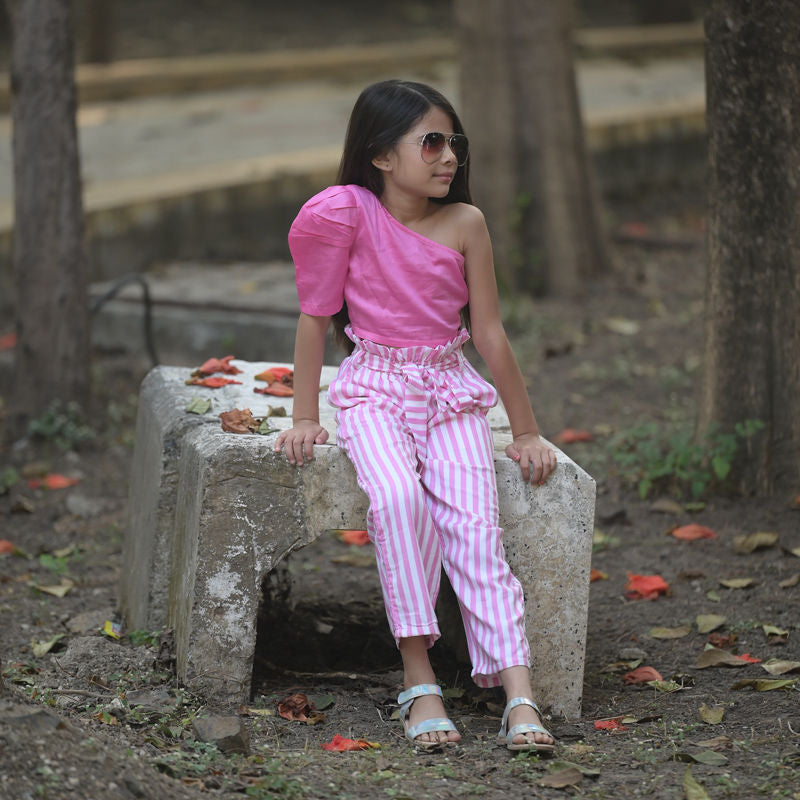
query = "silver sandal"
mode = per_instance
[
  {"x": 406, "y": 700},
  {"x": 506, "y": 737}
]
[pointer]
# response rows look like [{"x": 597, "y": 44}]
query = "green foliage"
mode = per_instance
[
  {"x": 8, "y": 477},
  {"x": 669, "y": 458},
  {"x": 63, "y": 425},
  {"x": 143, "y": 638}
]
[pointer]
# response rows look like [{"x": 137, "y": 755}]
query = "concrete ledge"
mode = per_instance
[{"x": 212, "y": 513}]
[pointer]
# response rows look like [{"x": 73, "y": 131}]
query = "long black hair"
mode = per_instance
[{"x": 382, "y": 115}]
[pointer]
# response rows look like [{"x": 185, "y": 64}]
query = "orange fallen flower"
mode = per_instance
[
  {"x": 353, "y": 537},
  {"x": 6, "y": 547},
  {"x": 610, "y": 725},
  {"x": 275, "y": 388},
  {"x": 274, "y": 374},
  {"x": 340, "y": 744},
  {"x": 217, "y": 365},
  {"x": 597, "y": 575},
  {"x": 642, "y": 675},
  {"x": 280, "y": 381},
  {"x": 52, "y": 481},
  {"x": 748, "y": 658},
  {"x": 689, "y": 533},
  {"x": 210, "y": 383},
  {"x": 645, "y": 587},
  {"x": 295, "y": 707},
  {"x": 8, "y": 342},
  {"x": 570, "y": 435}
]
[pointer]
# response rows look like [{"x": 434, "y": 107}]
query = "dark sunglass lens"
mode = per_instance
[
  {"x": 432, "y": 146},
  {"x": 460, "y": 147}
]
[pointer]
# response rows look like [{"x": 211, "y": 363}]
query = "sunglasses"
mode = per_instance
[{"x": 433, "y": 144}]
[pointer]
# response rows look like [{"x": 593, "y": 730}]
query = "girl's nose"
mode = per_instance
[{"x": 447, "y": 154}]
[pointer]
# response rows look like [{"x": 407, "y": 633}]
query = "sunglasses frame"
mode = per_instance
[{"x": 447, "y": 141}]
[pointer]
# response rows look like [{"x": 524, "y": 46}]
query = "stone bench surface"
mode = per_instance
[{"x": 211, "y": 513}]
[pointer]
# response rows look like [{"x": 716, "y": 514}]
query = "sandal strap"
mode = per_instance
[
  {"x": 419, "y": 690},
  {"x": 513, "y": 703},
  {"x": 527, "y": 727},
  {"x": 430, "y": 725}
]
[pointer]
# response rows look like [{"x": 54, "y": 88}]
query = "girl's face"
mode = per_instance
[{"x": 405, "y": 169}]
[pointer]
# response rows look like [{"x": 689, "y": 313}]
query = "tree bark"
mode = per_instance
[
  {"x": 99, "y": 26},
  {"x": 752, "y": 331},
  {"x": 52, "y": 353},
  {"x": 530, "y": 166}
]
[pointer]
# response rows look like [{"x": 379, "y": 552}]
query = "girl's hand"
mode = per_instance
[
  {"x": 536, "y": 458},
  {"x": 298, "y": 442}
]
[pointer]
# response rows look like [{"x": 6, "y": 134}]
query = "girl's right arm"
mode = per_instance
[{"x": 309, "y": 348}]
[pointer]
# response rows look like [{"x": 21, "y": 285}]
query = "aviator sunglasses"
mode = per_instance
[{"x": 432, "y": 146}]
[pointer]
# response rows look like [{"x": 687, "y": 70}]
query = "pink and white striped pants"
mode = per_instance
[{"x": 413, "y": 422}]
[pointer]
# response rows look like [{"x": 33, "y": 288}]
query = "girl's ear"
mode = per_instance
[{"x": 382, "y": 162}]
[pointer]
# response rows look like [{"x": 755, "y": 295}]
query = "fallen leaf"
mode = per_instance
[
  {"x": 718, "y": 658},
  {"x": 645, "y": 587},
  {"x": 340, "y": 744},
  {"x": 709, "y": 622},
  {"x": 737, "y": 583},
  {"x": 321, "y": 701},
  {"x": 277, "y": 388},
  {"x": 355, "y": 560},
  {"x": 765, "y": 684},
  {"x": 572, "y": 435},
  {"x": 42, "y": 648},
  {"x": 620, "y": 666},
  {"x": 274, "y": 374},
  {"x": 8, "y": 341},
  {"x": 610, "y": 725},
  {"x": 722, "y": 641},
  {"x": 6, "y": 547},
  {"x": 688, "y": 533},
  {"x": 217, "y": 365},
  {"x": 713, "y": 595},
  {"x": 571, "y": 776},
  {"x": 717, "y": 743},
  {"x": 753, "y": 541},
  {"x": 792, "y": 551},
  {"x": 693, "y": 789},
  {"x": 670, "y": 633},
  {"x": 664, "y": 505},
  {"x": 712, "y": 716},
  {"x": 793, "y": 580},
  {"x": 622, "y": 326},
  {"x": 710, "y": 758},
  {"x": 211, "y": 383},
  {"x": 241, "y": 420},
  {"x": 587, "y": 772},
  {"x": 642, "y": 675},
  {"x": 597, "y": 575},
  {"x": 298, "y": 708},
  {"x": 777, "y": 666},
  {"x": 666, "y": 686},
  {"x": 59, "y": 590},
  {"x": 199, "y": 405},
  {"x": 52, "y": 481},
  {"x": 773, "y": 632},
  {"x": 358, "y": 538},
  {"x": 249, "y": 711}
]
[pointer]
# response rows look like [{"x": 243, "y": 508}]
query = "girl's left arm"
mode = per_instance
[{"x": 535, "y": 457}]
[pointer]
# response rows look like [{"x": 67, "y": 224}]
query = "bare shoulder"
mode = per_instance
[{"x": 466, "y": 224}]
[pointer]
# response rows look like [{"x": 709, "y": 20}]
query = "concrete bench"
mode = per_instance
[{"x": 212, "y": 513}]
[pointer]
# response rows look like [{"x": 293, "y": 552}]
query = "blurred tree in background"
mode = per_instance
[
  {"x": 533, "y": 177},
  {"x": 49, "y": 265},
  {"x": 752, "y": 341}
]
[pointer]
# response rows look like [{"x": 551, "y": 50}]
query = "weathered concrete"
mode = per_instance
[{"x": 212, "y": 513}]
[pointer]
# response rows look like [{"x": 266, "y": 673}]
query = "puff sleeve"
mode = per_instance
[{"x": 320, "y": 240}]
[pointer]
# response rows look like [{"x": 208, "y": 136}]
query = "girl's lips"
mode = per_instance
[{"x": 445, "y": 176}]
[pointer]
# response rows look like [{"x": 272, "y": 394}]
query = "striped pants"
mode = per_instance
[{"x": 413, "y": 422}]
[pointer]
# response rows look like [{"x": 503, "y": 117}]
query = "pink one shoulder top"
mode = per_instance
[{"x": 401, "y": 288}]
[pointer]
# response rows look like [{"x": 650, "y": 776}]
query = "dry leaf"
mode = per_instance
[
  {"x": 670, "y": 633},
  {"x": 666, "y": 506},
  {"x": 773, "y": 632},
  {"x": 693, "y": 789},
  {"x": 642, "y": 675},
  {"x": 751, "y": 542},
  {"x": 723, "y": 641},
  {"x": 709, "y": 622},
  {"x": 688, "y": 533},
  {"x": 622, "y": 326},
  {"x": 217, "y": 365},
  {"x": 710, "y": 758},
  {"x": 778, "y": 666},
  {"x": 355, "y": 560},
  {"x": 645, "y": 587},
  {"x": 59, "y": 590},
  {"x": 571, "y": 776},
  {"x": 718, "y": 658},
  {"x": 737, "y": 583},
  {"x": 42, "y": 648},
  {"x": 765, "y": 684},
  {"x": 793, "y": 580},
  {"x": 712, "y": 716},
  {"x": 295, "y": 707}
]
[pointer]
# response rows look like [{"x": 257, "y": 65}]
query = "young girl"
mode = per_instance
[{"x": 401, "y": 261}]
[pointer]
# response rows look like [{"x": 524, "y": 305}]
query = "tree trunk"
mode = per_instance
[
  {"x": 530, "y": 166},
  {"x": 752, "y": 332},
  {"x": 99, "y": 27},
  {"x": 52, "y": 322}
]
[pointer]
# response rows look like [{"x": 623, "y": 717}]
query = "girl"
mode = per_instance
[{"x": 401, "y": 260}]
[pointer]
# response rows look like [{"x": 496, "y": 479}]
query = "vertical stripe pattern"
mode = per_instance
[{"x": 413, "y": 422}]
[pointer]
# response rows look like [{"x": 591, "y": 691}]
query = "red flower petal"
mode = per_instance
[{"x": 689, "y": 533}]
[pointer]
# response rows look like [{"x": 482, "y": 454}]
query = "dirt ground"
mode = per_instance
[{"x": 96, "y": 717}]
